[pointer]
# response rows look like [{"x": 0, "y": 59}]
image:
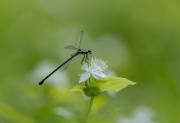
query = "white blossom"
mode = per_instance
[
  {"x": 141, "y": 115},
  {"x": 64, "y": 112},
  {"x": 96, "y": 69}
]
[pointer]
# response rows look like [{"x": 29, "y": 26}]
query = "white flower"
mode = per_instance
[
  {"x": 141, "y": 115},
  {"x": 64, "y": 112},
  {"x": 96, "y": 69}
]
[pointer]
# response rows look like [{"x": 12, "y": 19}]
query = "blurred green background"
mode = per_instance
[{"x": 140, "y": 40}]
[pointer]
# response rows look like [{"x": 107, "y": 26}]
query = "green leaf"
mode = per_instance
[
  {"x": 106, "y": 84},
  {"x": 113, "y": 83}
]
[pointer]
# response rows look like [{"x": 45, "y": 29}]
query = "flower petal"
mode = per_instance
[
  {"x": 95, "y": 67},
  {"x": 98, "y": 75},
  {"x": 84, "y": 77},
  {"x": 101, "y": 64},
  {"x": 98, "y": 65},
  {"x": 85, "y": 67}
]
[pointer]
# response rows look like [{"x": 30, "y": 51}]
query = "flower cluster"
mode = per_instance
[{"x": 97, "y": 69}]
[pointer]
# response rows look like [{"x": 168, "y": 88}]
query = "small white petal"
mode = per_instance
[
  {"x": 85, "y": 67},
  {"x": 84, "y": 77},
  {"x": 95, "y": 68},
  {"x": 101, "y": 64},
  {"x": 98, "y": 75}
]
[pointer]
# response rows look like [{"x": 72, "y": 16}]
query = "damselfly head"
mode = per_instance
[{"x": 90, "y": 51}]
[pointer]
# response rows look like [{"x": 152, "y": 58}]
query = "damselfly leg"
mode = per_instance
[{"x": 83, "y": 59}]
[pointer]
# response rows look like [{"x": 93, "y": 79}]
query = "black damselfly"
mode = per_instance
[{"x": 79, "y": 51}]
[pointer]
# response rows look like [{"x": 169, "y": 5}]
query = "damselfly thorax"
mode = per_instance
[{"x": 84, "y": 51}]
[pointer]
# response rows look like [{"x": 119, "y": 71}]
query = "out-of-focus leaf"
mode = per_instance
[{"x": 14, "y": 116}]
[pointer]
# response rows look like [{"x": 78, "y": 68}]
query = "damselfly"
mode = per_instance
[{"x": 79, "y": 51}]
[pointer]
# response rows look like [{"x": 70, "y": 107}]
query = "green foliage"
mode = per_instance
[
  {"x": 140, "y": 39},
  {"x": 14, "y": 116}
]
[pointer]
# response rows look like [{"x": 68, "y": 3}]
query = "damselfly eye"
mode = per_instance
[
  {"x": 89, "y": 51},
  {"x": 79, "y": 50}
]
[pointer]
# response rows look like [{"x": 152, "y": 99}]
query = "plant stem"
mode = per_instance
[{"x": 89, "y": 109}]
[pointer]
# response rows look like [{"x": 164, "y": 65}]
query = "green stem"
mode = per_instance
[{"x": 89, "y": 109}]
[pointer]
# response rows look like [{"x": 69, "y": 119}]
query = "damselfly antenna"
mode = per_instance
[{"x": 79, "y": 51}]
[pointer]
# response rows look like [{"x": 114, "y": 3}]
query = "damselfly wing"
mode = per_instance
[{"x": 77, "y": 44}]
